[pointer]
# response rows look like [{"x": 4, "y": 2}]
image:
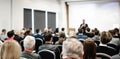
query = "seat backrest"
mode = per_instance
[
  {"x": 47, "y": 54},
  {"x": 97, "y": 42},
  {"x": 21, "y": 44},
  {"x": 55, "y": 39},
  {"x": 107, "y": 50},
  {"x": 112, "y": 45},
  {"x": 38, "y": 43},
  {"x": 103, "y": 56}
]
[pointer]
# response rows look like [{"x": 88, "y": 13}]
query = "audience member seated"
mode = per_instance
[
  {"x": 72, "y": 49},
  {"x": 106, "y": 37},
  {"x": 117, "y": 34},
  {"x": 17, "y": 36},
  {"x": 45, "y": 32},
  {"x": 96, "y": 37},
  {"x": 62, "y": 37},
  {"x": 88, "y": 33},
  {"x": 56, "y": 32},
  {"x": 10, "y": 35},
  {"x": 80, "y": 34},
  {"x": 89, "y": 49},
  {"x": 10, "y": 50},
  {"x": 62, "y": 30},
  {"x": 103, "y": 48},
  {"x": 38, "y": 34},
  {"x": 28, "y": 32},
  {"x": 3, "y": 35},
  {"x": 48, "y": 45},
  {"x": 29, "y": 45},
  {"x": 115, "y": 40}
]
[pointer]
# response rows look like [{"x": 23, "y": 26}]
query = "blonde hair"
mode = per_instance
[
  {"x": 10, "y": 50},
  {"x": 72, "y": 48}
]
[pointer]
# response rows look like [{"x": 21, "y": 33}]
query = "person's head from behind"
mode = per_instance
[
  {"x": 105, "y": 37},
  {"x": 89, "y": 49},
  {"x": 37, "y": 30},
  {"x": 4, "y": 31},
  {"x": 29, "y": 43},
  {"x": 88, "y": 29},
  {"x": 72, "y": 49},
  {"x": 48, "y": 37},
  {"x": 115, "y": 32},
  {"x": 10, "y": 50},
  {"x": 80, "y": 30},
  {"x": 62, "y": 29},
  {"x": 10, "y": 34},
  {"x": 28, "y": 32},
  {"x": 97, "y": 32}
]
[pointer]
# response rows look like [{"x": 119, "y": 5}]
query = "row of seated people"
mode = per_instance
[
  {"x": 10, "y": 47},
  {"x": 18, "y": 36},
  {"x": 103, "y": 48},
  {"x": 72, "y": 48},
  {"x": 100, "y": 40}
]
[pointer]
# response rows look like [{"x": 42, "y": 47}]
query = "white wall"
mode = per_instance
[
  {"x": 101, "y": 15},
  {"x": 105, "y": 15},
  {"x": 5, "y": 14},
  {"x": 14, "y": 19},
  {"x": 46, "y": 5}
]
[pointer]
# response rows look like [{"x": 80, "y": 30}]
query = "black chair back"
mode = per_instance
[
  {"x": 97, "y": 42},
  {"x": 55, "y": 39},
  {"x": 21, "y": 44},
  {"x": 47, "y": 54},
  {"x": 102, "y": 56},
  {"x": 107, "y": 50},
  {"x": 38, "y": 43}
]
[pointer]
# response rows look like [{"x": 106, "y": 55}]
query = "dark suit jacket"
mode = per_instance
[
  {"x": 28, "y": 55},
  {"x": 83, "y": 27}
]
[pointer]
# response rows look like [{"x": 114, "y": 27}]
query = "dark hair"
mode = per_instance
[
  {"x": 48, "y": 36},
  {"x": 37, "y": 30},
  {"x": 56, "y": 30},
  {"x": 89, "y": 49},
  {"x": 105, "y": 37},
  {"x": 97, "y": 32},
  {"x": 63, "y": 29},
  {"x": 10, "y": 34},
  {"x": 3, "y": 30},
  {"x": 80, "y": 30},
  {"x": 88, "y": 29},
  {"x": 62, "y": 35},
  {"x": 28, "y": 32},
  {"x": 117, "y": 30}
]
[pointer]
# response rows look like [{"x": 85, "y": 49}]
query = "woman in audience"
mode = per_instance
[
  {"x": 61, "y": 39},
  {"x": 28, "y": 32},
  {"x": 89, "y": 49},
  {"x": 10, "y": 50},
  {"x": 17, "y": 36},
  {"x": 105, "y": 38},
  {"x": 56, "y": 32}
]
